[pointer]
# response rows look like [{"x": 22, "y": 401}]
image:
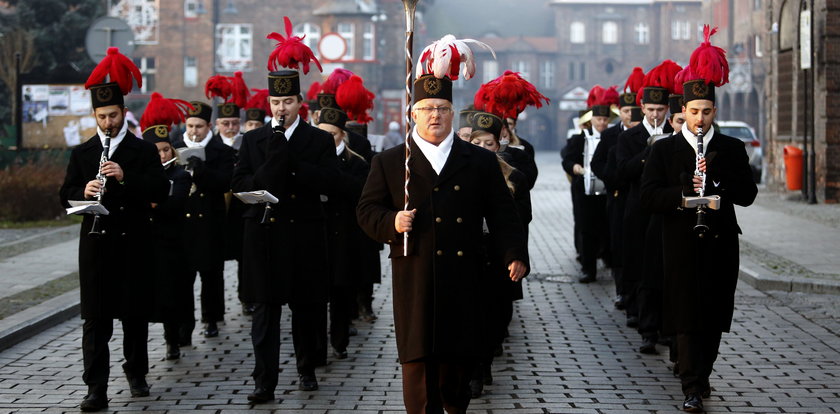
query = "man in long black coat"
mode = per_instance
[
  {"x": 285, "y": 260},
  {"x": 113, "y": 274},
  {"x": 700, "y": 272},
  {"x": 454, "y": 187},
  {"x": 205, "y": 214}
]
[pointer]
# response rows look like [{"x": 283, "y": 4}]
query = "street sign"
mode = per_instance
[
  {"x": 106, "y": 32},
  {"x": 332, "y": 47},
  {"x": 805, "y": 39}
]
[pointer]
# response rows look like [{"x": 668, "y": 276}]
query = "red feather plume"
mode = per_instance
[
  {"x": 508, "y": 95},
  {"x": 336, "y": 78},
  {"x": 682, "y": 77},
  {"x": 218, "y": 86},
  {"x": 119, "y": 68},
  {"x": 313, "y": 91},
  {"x": 661, "y": 76},
  {"x": 355, "y": 99},
  {"x": 303, "y": 112},
  {"x": 259, "y": 100},
  {"x": 608, "y": 96},
  {"x": 291, "y": 52},
  {"x": 239, "y": 90},
  {"x": 634, "y": 81},
  {"x": 163, "y": 111},
  {"x": 709, "y": 62},
  {"x": 594, "y": 94}
]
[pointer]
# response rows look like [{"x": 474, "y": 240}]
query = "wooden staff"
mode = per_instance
[{"x": 410, "y": 8}]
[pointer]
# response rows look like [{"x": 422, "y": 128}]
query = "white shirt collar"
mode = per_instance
[
  {"x": 692, "y": 139},
  {"x": 650, "y": 129},
  {"x": 436, "y": 154},
  {"x": 231, "y": 142},
  {"x": 201, "y": 144},
  {"x": 290, "y": 130},
  {"x": 340, "y": 148},
  {"x": 115, "y": 141}
]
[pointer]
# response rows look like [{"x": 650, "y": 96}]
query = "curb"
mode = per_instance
[
  {"x": 32, "y": 321},
  {"x": 763, "y": 279}
]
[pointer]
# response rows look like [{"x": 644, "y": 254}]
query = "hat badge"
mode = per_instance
[
  {"x": 227, "y": 110},
  {"x": 700, "y": 89},
  {"x": 628, "y": 98},
  {"x": 282, "y": 85},
  {"x": 484, "y": 121},
  {"x": 330, "y": 116},
  {"x": 656, "y": 95},
  {"x": 161, "y": 132},
  {"x": 195, "y": 110},
  {"x": 326, "y": 101},
  {"x": 104, "y": 94},
  {"x": 432, "y": 85}
]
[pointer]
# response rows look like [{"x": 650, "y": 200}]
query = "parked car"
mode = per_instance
[{"x": 746, "y": 133}]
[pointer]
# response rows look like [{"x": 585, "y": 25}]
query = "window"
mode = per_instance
[
  {"x": 572, "y": 68},
  {"x": 609, "y": 33},
  {"x": 368, "y": 42},
  {"x": 547, "y": 74},
  {"x": 234, "y": 47},
  {"x": 758, "y": 51},
  {"x": 491, "y": 70},
  {"x": 190, "y": 72},
  {"x": 190, "y": 9},
  {"x": 577, "y": 71},
  {"x": 577, "y": 32},
  {"x": 642, "y": 34},
  {"x": 311, "y": 35},
  {"x": 756, "y": 4},
  {"x": 147, "y": 71},
  {"x": 680, "y": 30},
  {"x": 582, "y": 71},
  {"x": 347, "y": 31},
  {"x": 523, "y": 68}
]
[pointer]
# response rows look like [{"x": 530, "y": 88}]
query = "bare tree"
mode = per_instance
[{"x": 16, "y": 40}]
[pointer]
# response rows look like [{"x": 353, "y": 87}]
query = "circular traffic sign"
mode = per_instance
[
  {"x": 106, "y": 32},
  {"x": 332, "y": 46}
]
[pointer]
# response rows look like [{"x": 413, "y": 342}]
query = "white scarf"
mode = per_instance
[
  {"x": 200, "y": 144},
  {"x": 692, "y": 139},
  {"x": 650, "y": 129},
  {"x": 115, "y": 141},
  {"x": 231, "y": 142},
  {"x": 436, "y": 154}
]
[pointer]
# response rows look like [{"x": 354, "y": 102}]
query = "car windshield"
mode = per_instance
[{"x": 738, "y": 132}]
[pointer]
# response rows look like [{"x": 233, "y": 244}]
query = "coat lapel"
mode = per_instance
[{"x": 419, "y": 166}]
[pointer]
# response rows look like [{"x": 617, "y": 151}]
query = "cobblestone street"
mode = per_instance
[{"x": 568, "y": 351}]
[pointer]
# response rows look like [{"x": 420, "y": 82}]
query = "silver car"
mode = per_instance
[{"x": 746, "y": 133}]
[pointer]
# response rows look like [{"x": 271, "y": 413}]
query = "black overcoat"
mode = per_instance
[
  {"x": 700, "y": 273},
  {"x": 523, "y": 162},
  {"x": 437, "y": 308},
  {"x": 173, "y": 298},
  {"x": 113, "y": 271},
  {"x": 205, "y": 210},
  {"x": 286, "y": 260},
  {"x": 631, "y": 152}
]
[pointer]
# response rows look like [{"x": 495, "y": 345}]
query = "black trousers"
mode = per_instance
[
  {"x": 309, "y": 340},
  {"x": 650, "y": 287},
  {"x": 431, "y": 385},
  {"x": 697, "y": 353},
  {"x": 95, "y": 336},
  {"x": 212, "y": 295},
  {"x": 593, "y": 228},
  {"x": 342, "y": 302}
]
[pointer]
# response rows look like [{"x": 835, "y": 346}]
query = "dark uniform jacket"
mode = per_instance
[
  {"x": 113, "y": 271},
  {"x": 173, "y": 284},
  {"x": 700, "y": 273},
  {"x": 437, "y": 308},
  {"x": 360, "y": 145},
  {"x": 286, "y": 260},
  {"x": 523, "y": 162},
  {"x": 205, "y": 209}
]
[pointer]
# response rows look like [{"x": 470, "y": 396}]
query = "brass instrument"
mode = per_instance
[
  {"x": 280, "y": 129},
  {"x": 95, "y": 228}
]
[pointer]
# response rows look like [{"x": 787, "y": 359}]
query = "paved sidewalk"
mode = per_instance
[
  {"x": 569, "y": 352},
  {"x": 36, "y": 267}
]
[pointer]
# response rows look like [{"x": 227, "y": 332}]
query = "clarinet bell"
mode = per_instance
[
  {"x": 700, "y": 227},
  {"x": 96, "y": 228},
  {"x": 266, "y": 218}
]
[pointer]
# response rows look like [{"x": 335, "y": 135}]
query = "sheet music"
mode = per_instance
[
  {"x": 256, "y": 197},
  {"x": 185, "y": 153},
  {"x": 86, "y": 207}
]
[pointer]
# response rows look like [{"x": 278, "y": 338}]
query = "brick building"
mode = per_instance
[{"x": 799, "y": 102}]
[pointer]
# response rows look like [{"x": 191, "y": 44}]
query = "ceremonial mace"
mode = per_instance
[{"x": 410, "y": 8}]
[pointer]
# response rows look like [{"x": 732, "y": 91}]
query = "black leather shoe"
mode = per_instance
[
  {"x": 619, "y": 302},
  {"x": 339, "y": 354},
  {"x": 172, "y": 351},
  {"x": 248, "y": 309},
  {"x": 693, "y": 404},
  {"x": 488, "y": 375},
  {"x": 648, "y": 346},
  {"x": 261, "y": 395},
  {"x": 633, "y": 321},
  {"x": 476, "y": 388},
  {"x": 308, "y": 383},
  {"x": 676, "y": 369},
  {"x": 94, "y": 402},
  {"x": 138, "y": 387},
  {"x": 587, "y": 278},
  {"x": 211, "y": 330}
]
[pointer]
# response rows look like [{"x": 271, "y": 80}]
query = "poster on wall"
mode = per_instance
[
  {"x": 142, "y": 16},
  {"x": 56, "y": 116},
  {"x": 59, "y": 100},
  {"x": 35, "y": 102}
]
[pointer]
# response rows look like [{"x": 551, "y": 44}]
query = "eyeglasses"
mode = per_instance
[
  {"x": 443, "y": 110},
  {"x": 230, "y": 123}
]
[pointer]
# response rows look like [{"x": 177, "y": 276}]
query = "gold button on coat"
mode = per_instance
[
  {"x": 440, "y": 252},
  {"x": 460, "y": 253},
  {"x": 457, "y": 188},
  {"x": 459, "y": 220},
  {"x": 188, "y": 215},
  {"x": 438, "y": 220}
]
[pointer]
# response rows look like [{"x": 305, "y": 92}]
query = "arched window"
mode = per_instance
[
  {"x": 609, "y": 33},
  {"x": 312, "y": 33},
  {"x": 787, "y": 27},
  {"x": 577, "y": 32}
]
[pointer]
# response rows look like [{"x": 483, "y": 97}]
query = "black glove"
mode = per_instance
[{"x": 194, "y": 163}]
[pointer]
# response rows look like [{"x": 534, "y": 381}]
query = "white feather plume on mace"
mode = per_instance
[{"x": 445, "y": 56}]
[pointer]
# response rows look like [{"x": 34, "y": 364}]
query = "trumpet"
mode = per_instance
[
  {"x": 279, "y": 129},
  {"x": 95, "y": 228},
  {"x": 700, "y": 227}
]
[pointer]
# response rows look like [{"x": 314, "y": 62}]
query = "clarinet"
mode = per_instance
[
  {"x": 279, "y": 129},
  {"x": 95, "y": 228},
  {"x": 700, "y": 227}
]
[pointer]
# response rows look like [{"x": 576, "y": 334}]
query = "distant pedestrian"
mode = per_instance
[{"x": 393, "y": 137}]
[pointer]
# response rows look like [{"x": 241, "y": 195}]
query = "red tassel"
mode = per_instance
[
  {"x": 313, "y": 91},
  {"x": 634, "y": 81},
  {"x": 163, "y": 111},
  {"x": 239, "y": 90},
  {"x": 218, "y": 86},
  {"x": 355, "y": 99},
  {"x": 290, "y": 51},
  {"x": 259, "y": 100},
  {"x": 336, "y": 78},
  {"x": 119, "y": 68},
  {"x": 709, "y": 62},
  {"x": 508, "y": 95}
]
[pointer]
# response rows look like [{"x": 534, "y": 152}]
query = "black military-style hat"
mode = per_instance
[
  {"x": 430, "y": 87},
  {"x": 284, "y": 83},
  {"x": 200, "y": 110},
  {"x": 228, "y": 110},
  {"x": 156, "y": 133},
  {"x": 627, "y": 99},
  {"x": 698, "y": 89},
  {"x": 361, "y": 129},
  {"x": 106, "y": 94},
  {"x": 655, "y": 95},
  {"x": 255, "y": 114},
  {"x": 601, "y": 110},
  {"x": 675, "y": 103},
  {"x": 334, "y": 117},
  {"x": 487, "y": 122},
  {"x": 465, "y": 117},
  {"x": 327, "y": 100}
]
